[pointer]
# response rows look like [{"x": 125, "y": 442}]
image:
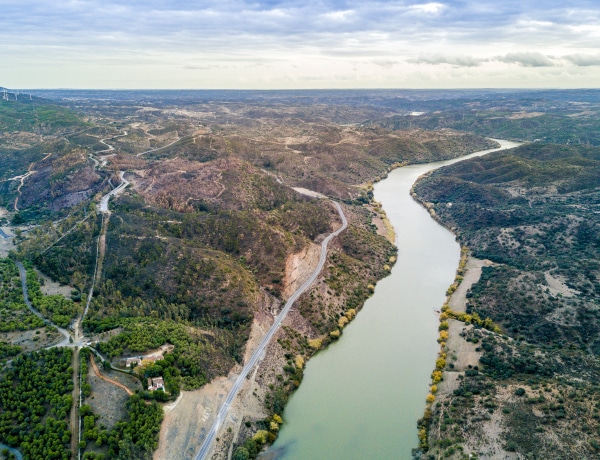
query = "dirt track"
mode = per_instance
[
  {"x": 106, "y": 379},
  {"x": 74, "y": 417}
]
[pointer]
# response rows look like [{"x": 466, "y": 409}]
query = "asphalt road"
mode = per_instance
[
  {"x": 65, "y": 342},
  {"x": 104, "y": 201},
  {"x": 222, "y": 414}
]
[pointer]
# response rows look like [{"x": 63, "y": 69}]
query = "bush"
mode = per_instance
[{"x": 241, "y": 453}]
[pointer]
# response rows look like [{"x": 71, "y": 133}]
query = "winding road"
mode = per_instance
[
  {"x": 66, "y": 340},
  {"x": 258, "y": 353},
  {"x": 12, "y": 450},
  {"x": 104, "y": 201}
]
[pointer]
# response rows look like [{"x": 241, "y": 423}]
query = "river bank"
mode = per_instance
[{"x": 376, "y": 379}]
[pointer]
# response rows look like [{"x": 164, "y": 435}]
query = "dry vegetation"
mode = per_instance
[
  {"x": 531, "y": 391},
  {"x": 198, "y": 249}
]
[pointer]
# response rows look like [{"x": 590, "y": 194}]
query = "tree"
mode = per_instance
[{"x": 241, "y": 453}]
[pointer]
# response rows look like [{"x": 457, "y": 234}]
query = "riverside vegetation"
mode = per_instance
[
  {"x": 195, "y": 250},
  {"x": 533, "y": 211}
]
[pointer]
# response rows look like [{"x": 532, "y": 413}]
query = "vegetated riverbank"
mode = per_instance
[
  {"x": 353, "y": 268},
  {"x": 532, "y": 391},
  {"x": 397, "y": 319}
]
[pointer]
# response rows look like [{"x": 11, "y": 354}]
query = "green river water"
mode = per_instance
[{"x": 361, "y": 398}]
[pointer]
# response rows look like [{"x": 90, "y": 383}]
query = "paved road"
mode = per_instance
[
  {"x": 222, "y": 414},
  {"x": 65, "y": 342},
  {"x": 110, "y": 147},
  {"x": 104, "y": 201},
  {"x": 12, "y": 450}
]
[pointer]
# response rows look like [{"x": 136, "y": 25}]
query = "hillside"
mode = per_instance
[
  {"x": 44, "y": 170},
  {"x": 200, "y": 252},
  {"x": 559, "y": 117},
  {"x": 533, "y": 212}
]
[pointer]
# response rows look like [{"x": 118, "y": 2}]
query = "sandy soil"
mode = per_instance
[
  {"x": 106, "y": 379},
  {"x": 188, "y": 418},
  {"x": 521, "y": 115},
  {"x": 556, "y": 286},
  {"x": 107, "y": 400},
  {"x": 151, "y": 355},
  {"x": 298, "y": 268},
  {"x": 460, "y": 352},
  {"x": 50, "y": 287},
  {"x": 485, "y": 439},
  {"x": 6, "y": 244},
  {"x": 304, "y": 191},
  {"x": 25, "y": 339}
]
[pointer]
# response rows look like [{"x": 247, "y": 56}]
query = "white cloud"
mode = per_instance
[
  {"x": 380, "y": 42},
  {"x": 457, "y": 61},
  {"x": 428, "y": 8},
  {"x": 527, "y": 59},
  {"x": 583, "y": 60},
  {"x": 339, "y": 15}
]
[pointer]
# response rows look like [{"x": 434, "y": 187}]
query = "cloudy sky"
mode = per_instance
[{"x": 272, "y": 44}]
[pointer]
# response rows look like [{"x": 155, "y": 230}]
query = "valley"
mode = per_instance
[{"x": 173, "y": 218}]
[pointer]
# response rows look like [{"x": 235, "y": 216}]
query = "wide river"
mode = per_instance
[{"x": 361, "y": 398}]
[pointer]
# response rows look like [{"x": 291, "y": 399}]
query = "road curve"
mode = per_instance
[
  {"x": 104, "y": 201},
  {"x": 110, "y": 147},
  {"x": 12, "y": 450},
  {"x": 256, "y": 356},
  {"x": 66, "y": 336}
]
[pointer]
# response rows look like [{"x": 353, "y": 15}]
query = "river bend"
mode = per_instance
[{"x": 361, "y": 398}]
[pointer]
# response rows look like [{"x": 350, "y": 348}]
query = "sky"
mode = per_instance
[{"x": 293, "y": 44}]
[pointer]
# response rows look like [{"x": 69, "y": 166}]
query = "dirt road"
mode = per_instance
[{"x": 106, "y": 379}]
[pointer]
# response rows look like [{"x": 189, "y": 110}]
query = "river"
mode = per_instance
[{"x": 361, "y": 398}]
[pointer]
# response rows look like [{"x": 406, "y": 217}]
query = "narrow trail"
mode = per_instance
[
  {"x": 66, "y": 233},
  {"x": 258, "y": 353},
  {"x": 66, "y": 342},
  {"x": 106, "y": 379},
  {"x": 22, "y": 180},
  {"x": 100, "y": 252},
  {"x": 164, "y": 146},
  {"x": 74, "y": 416},
  {"x": 110, "y": 148}
]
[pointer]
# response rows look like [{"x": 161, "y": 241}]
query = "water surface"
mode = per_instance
[{"x": 361, "y": 398}]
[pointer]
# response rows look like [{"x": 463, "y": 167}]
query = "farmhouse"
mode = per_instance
[{"x": 156, "y": 384}]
